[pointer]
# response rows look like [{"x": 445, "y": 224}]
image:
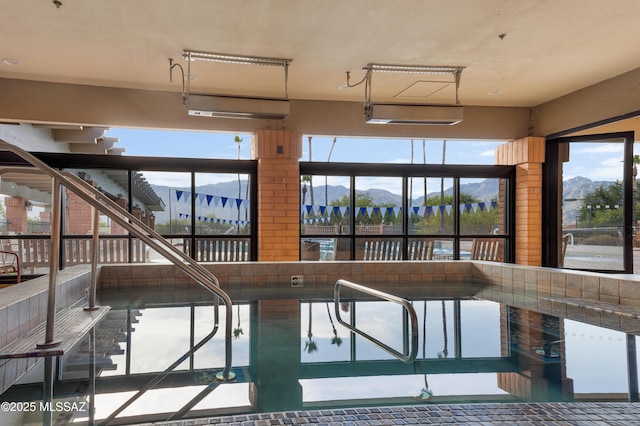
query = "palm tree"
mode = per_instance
[
  {"x": 310, "y": 345},
  {"x": 424, "y": 161},
  {"x": 411, "y": 178},
  {"x": 238, "y": 140},
  {"x": 335, "y": 340},
  {"x": 444, "y": 155},
  {"x": 445, "y": 350},
  {"x": 310, "y": 180},
  {"x": 238, "y": 330},
  {"x": 326, "y": 187}
]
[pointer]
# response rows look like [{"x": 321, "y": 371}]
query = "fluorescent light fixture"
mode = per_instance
[
  {"x": 191, "y": 55},
  {"x": 238, "y": 107},
  {"x": 413, "y": 69},
  {"x": 420, "y": 114},
  {"x": 376, "y": 113}
]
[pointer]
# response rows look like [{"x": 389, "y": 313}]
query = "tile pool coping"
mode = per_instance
[
  {"x": 573, "y": 413},
  {"x": 248, "y": 280}
]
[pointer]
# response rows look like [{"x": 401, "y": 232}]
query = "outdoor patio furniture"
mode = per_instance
[
  {"x": 10, "y": 264},
  {"x": 486, "y": 249}
]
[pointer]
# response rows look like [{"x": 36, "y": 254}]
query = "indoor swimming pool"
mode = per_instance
[{"x": 138, "y": 364}]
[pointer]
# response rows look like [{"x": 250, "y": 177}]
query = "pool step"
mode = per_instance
[{"x": 71, "y": 325}]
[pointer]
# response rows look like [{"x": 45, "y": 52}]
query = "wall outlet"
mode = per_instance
[{"x": 297, "y": 280}]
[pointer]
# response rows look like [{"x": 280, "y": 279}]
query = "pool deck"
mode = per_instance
[{"x": 574, "y": 413}]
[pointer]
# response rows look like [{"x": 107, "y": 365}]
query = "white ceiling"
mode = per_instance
[{"x": 515, "y": 52}]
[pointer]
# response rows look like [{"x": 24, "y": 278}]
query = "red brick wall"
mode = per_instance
[
  {"x": 278, "y": 152},
  {"x": 16, "y": 214},
  {"x": 528, "y": 156}
]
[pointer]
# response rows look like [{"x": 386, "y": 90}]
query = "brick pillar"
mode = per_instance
[
  {"x": 16, "y": 213},
  {"x": 151, "y": 220},
  {"x": 115, "y": 228},
  {"x": 539, "y": 378},
  {"x": 527, "y": 155},
  {"x": 278, "y": 152},
  {"x": 78, "y": 215},
  {"x": 137, "y": 212}
]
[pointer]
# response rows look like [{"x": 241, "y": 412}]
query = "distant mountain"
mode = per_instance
[
  {"x": 486, "y": 190},
  {"x": 577, "y": 188}
]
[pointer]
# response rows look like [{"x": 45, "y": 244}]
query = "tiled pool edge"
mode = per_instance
[
  {"x": 273, "y": 278},
  {"x": 24, "y": 307},
  {"x": 561, "y": 283}
]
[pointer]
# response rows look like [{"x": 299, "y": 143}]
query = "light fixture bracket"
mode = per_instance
[
  {"x": 266, "y": 107},
  {"x": 455, "y": 71},
  {"x": 229, "y": 58},
  {"x": 410, "y": 113},
  {"x": 193, "y": 55}
]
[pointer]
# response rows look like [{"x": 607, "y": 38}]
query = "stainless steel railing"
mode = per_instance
[
  {"x": 413, "y": 318},
  {"x": 104, "y": 204}
]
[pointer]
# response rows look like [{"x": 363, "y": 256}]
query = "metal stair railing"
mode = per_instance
[
  {"x": 104, "y": 204},
  {"x": 413, "y": 318},
  {"x": 162, "y": 375}
]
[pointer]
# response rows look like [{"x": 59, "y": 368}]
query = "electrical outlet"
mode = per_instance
[{"x": 297, "y": 281}]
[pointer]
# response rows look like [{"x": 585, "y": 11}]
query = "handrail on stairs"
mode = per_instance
[
  {"x": 104, "y": 204},
  {"x": 413, "y": 318}
]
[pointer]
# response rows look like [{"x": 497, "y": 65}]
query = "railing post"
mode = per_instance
[
  {"x": 54, "y": 252},
  {"x": 95, "y": 249}
]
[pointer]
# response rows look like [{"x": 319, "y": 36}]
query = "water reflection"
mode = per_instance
[{"x": 290, "y": 354}]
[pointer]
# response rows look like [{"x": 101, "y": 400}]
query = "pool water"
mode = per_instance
[{"x": 295, "y": 355}]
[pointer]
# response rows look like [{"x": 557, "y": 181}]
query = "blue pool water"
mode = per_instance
[{"x": 294, "y": 355}]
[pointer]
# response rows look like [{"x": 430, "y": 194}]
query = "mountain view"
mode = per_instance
[{"x": 485, "y": 190}]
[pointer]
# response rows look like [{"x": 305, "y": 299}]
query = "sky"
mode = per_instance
[
  {"x": 222, "y": 146},
  {"x": 597, "y": 161}
]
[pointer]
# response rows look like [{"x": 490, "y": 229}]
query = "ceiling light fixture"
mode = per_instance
[
  {"x": 381, "y": 113},
  {"x": 192, "y": 55},
  {"x": 226, "y": 106},
  {"x": 413, "y": 69}
]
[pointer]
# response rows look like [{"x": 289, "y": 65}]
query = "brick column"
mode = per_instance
[
  {"x": 78, "y": 215},
  {"x": 539, "y": 378},
  {"x": 115, "y": 228},
  {"x": 527, "y": 155},
  {"x": 16, "y": 214},
  {"x": 278, "y": 152}
]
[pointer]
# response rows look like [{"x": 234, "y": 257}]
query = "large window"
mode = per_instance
[
  {"x": 410, "y": 211},
  {"x": 202, "y": 207}
]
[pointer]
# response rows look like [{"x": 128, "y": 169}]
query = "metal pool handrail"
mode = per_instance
[
  {"x": 158, "y": 378},
  {"x": 386, "y": 296},
  {"x": 101, "y": 202}
]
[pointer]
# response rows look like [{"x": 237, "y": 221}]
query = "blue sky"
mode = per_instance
[
  {"x": 222, "y": 145},
  {"x": 597, "y": 161}
]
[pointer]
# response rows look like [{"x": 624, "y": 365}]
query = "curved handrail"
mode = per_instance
[
  {"x": 386, "y": 296},
  {"x": 157, "y": 379},
  {"x": 129, "y": 222}
]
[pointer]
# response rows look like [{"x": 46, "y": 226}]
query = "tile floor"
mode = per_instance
[{"x": 534, "y": 414}]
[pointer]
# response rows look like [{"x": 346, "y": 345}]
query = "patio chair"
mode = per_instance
[
  {"x": 382, "y": 250},
  {"x": 486, "y": 249},
  {"x": 421, "y": 249},
  {"x": 10, "y": 264}
]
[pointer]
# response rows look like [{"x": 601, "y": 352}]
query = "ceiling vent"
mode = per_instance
[
  {"x": 376, "y": 113},
  {"x": 238, "y": 107}
]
